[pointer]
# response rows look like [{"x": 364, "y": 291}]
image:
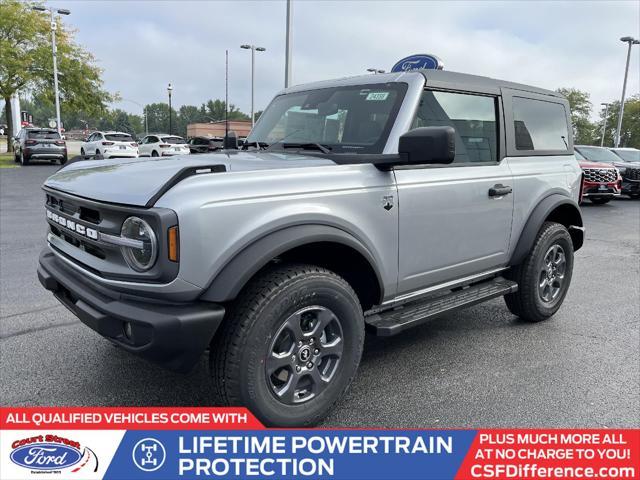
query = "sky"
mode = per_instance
[{"x": 144, "y": 45}]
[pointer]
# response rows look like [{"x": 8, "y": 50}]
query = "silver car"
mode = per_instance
[
  {"x": 39, "y": 144},
  {"x": 376, "y": 202}
]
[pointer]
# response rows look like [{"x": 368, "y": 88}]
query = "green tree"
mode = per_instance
[
  {"x": 158, "y": 117},
  {"x": 630, "y": 136},
  {"x": 26, "y": 63},
  {"x": 584, "y": 130},
  {"x": 215, "y": 110}
]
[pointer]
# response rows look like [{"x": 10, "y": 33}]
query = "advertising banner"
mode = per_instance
[{"x": 168, "y": 443}]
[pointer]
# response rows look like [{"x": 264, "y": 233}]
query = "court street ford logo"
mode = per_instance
[
  {"x": 418, "y": 62},
  {"x": 38, "y": 453}
]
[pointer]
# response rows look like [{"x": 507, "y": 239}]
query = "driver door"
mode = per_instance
[{"x": 450, "y": 226}]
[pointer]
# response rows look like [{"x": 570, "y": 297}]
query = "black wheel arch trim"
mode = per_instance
[
  {"x": 538, "y": 216},
  {"x": 228, "y": 283}
]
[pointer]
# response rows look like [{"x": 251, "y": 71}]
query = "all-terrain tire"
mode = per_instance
[
  {"x": 527, "y": 302},
  {"x": 240, "y": 350}
]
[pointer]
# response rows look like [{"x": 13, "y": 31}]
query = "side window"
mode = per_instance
[
  {"x": 472, "y": 116},
  {"x": 539, "y": 125}
]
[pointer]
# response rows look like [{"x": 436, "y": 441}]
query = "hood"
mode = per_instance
[
  {"x": 590, "y": 164},
  {"x": 139, "y": 180}
]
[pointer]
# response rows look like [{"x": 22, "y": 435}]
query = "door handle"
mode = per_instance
[{"x": 498, "y": 190}]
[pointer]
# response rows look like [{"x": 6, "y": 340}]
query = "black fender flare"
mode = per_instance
[
  {"x": 238, "y": 271},
  {"x": 540, "y": 213}
]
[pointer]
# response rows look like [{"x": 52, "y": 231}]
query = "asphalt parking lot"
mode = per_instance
[{"x": 478, "y": 367}]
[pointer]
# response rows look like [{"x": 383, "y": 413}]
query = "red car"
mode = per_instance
[{"x": 601, "y": 181}]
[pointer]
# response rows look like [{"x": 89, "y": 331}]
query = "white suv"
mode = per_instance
[
  {"x": 110, "y": 145},
  {"x": 163, "y": 145}
]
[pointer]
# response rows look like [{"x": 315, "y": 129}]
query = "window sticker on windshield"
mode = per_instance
[{"x": 377, "y": 96}]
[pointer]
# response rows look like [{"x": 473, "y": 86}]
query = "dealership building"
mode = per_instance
[{"x": 217, "y": 129}]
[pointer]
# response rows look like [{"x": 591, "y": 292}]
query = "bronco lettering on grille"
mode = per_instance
[{"x": 72, "y": 225}]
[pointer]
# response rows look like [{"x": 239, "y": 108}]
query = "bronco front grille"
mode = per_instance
[
  {"x": 632, "y": 173},
  {"x": 79, "y": 228},
  {"x": 600, "y": 175}
]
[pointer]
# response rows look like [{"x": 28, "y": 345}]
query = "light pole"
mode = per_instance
[
  {"x": 169, "y": 90},
  {"x": 54, "y": 26},
  {"x": 604, "y": 124},
  {"x": 288, "y": 48},
  {"x": 253, "y": 49},
  {"x": 630, "y": 41},
  {"x": 375, "y": 70}
]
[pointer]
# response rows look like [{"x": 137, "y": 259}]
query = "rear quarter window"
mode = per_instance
[{"x": 539, "y": 125}]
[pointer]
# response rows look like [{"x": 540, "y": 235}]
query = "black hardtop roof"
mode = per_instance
[{"x": 465, "y": 80}]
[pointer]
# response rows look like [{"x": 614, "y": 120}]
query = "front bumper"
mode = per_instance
[
  {"x": 630, "y": 186},
  {"x": 601, "y": 190},
  {"x": 173, "y": 335}
]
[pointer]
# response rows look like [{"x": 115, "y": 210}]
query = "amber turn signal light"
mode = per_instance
[{"x": 174, "y": 244}]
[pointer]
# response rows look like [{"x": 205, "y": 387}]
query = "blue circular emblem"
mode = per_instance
[
  {"x": 418, "y": 62},
  {"x": 149, "y": 454}
]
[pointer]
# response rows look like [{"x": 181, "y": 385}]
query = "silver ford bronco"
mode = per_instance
[{"x": 367, "y": 203}]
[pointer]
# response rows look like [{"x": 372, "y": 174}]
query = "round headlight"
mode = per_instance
[{"x": 143, "y": 258}]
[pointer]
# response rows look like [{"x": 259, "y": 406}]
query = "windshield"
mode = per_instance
[
  {"x": 173, "y": 140},
  {"x": 351, "y": 119},
  {"x": 118, "y": 137},
  {"x": 628, "y": 155},
  {"x": 43, "y": 134},
  {"x": 598, "y": 154}
]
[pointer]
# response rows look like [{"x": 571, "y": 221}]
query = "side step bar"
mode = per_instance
[{"x": 392, "y": 322}]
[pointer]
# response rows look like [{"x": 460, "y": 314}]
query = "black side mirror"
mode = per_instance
[{"x": 427, "y": 145}]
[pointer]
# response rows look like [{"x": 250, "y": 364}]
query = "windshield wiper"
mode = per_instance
[
  {"x": 258, "y": 145},
  {"x": 307, "y": 146}
]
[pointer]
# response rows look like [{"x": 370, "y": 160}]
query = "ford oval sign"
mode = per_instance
[
  {"x": 45, "y": 456},
  {"x": 417, "y": 62}
]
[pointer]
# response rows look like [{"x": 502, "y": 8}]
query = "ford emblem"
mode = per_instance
[
  {"x": 418, "y": 62},
  {"x": 45, "y": 456}
]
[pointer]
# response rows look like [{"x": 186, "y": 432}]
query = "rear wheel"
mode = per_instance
[
  {"x": 24, "y": 159},
  {"x": 635, "y": 196},
  {"x": 544, "y": 276},
  {"x": 290, "y": 346},
  {"x": 82, "y": 152},
  {"x": 63, "y": 160},
  {"x": 600, "y": 200},
  {"x": 154, "y": 154}
]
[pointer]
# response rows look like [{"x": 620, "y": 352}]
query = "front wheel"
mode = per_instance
[
  {"x": 290, "y": 346},
  {"x": 600, "y": 200},
  {"x": 544, "y": 276}
]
